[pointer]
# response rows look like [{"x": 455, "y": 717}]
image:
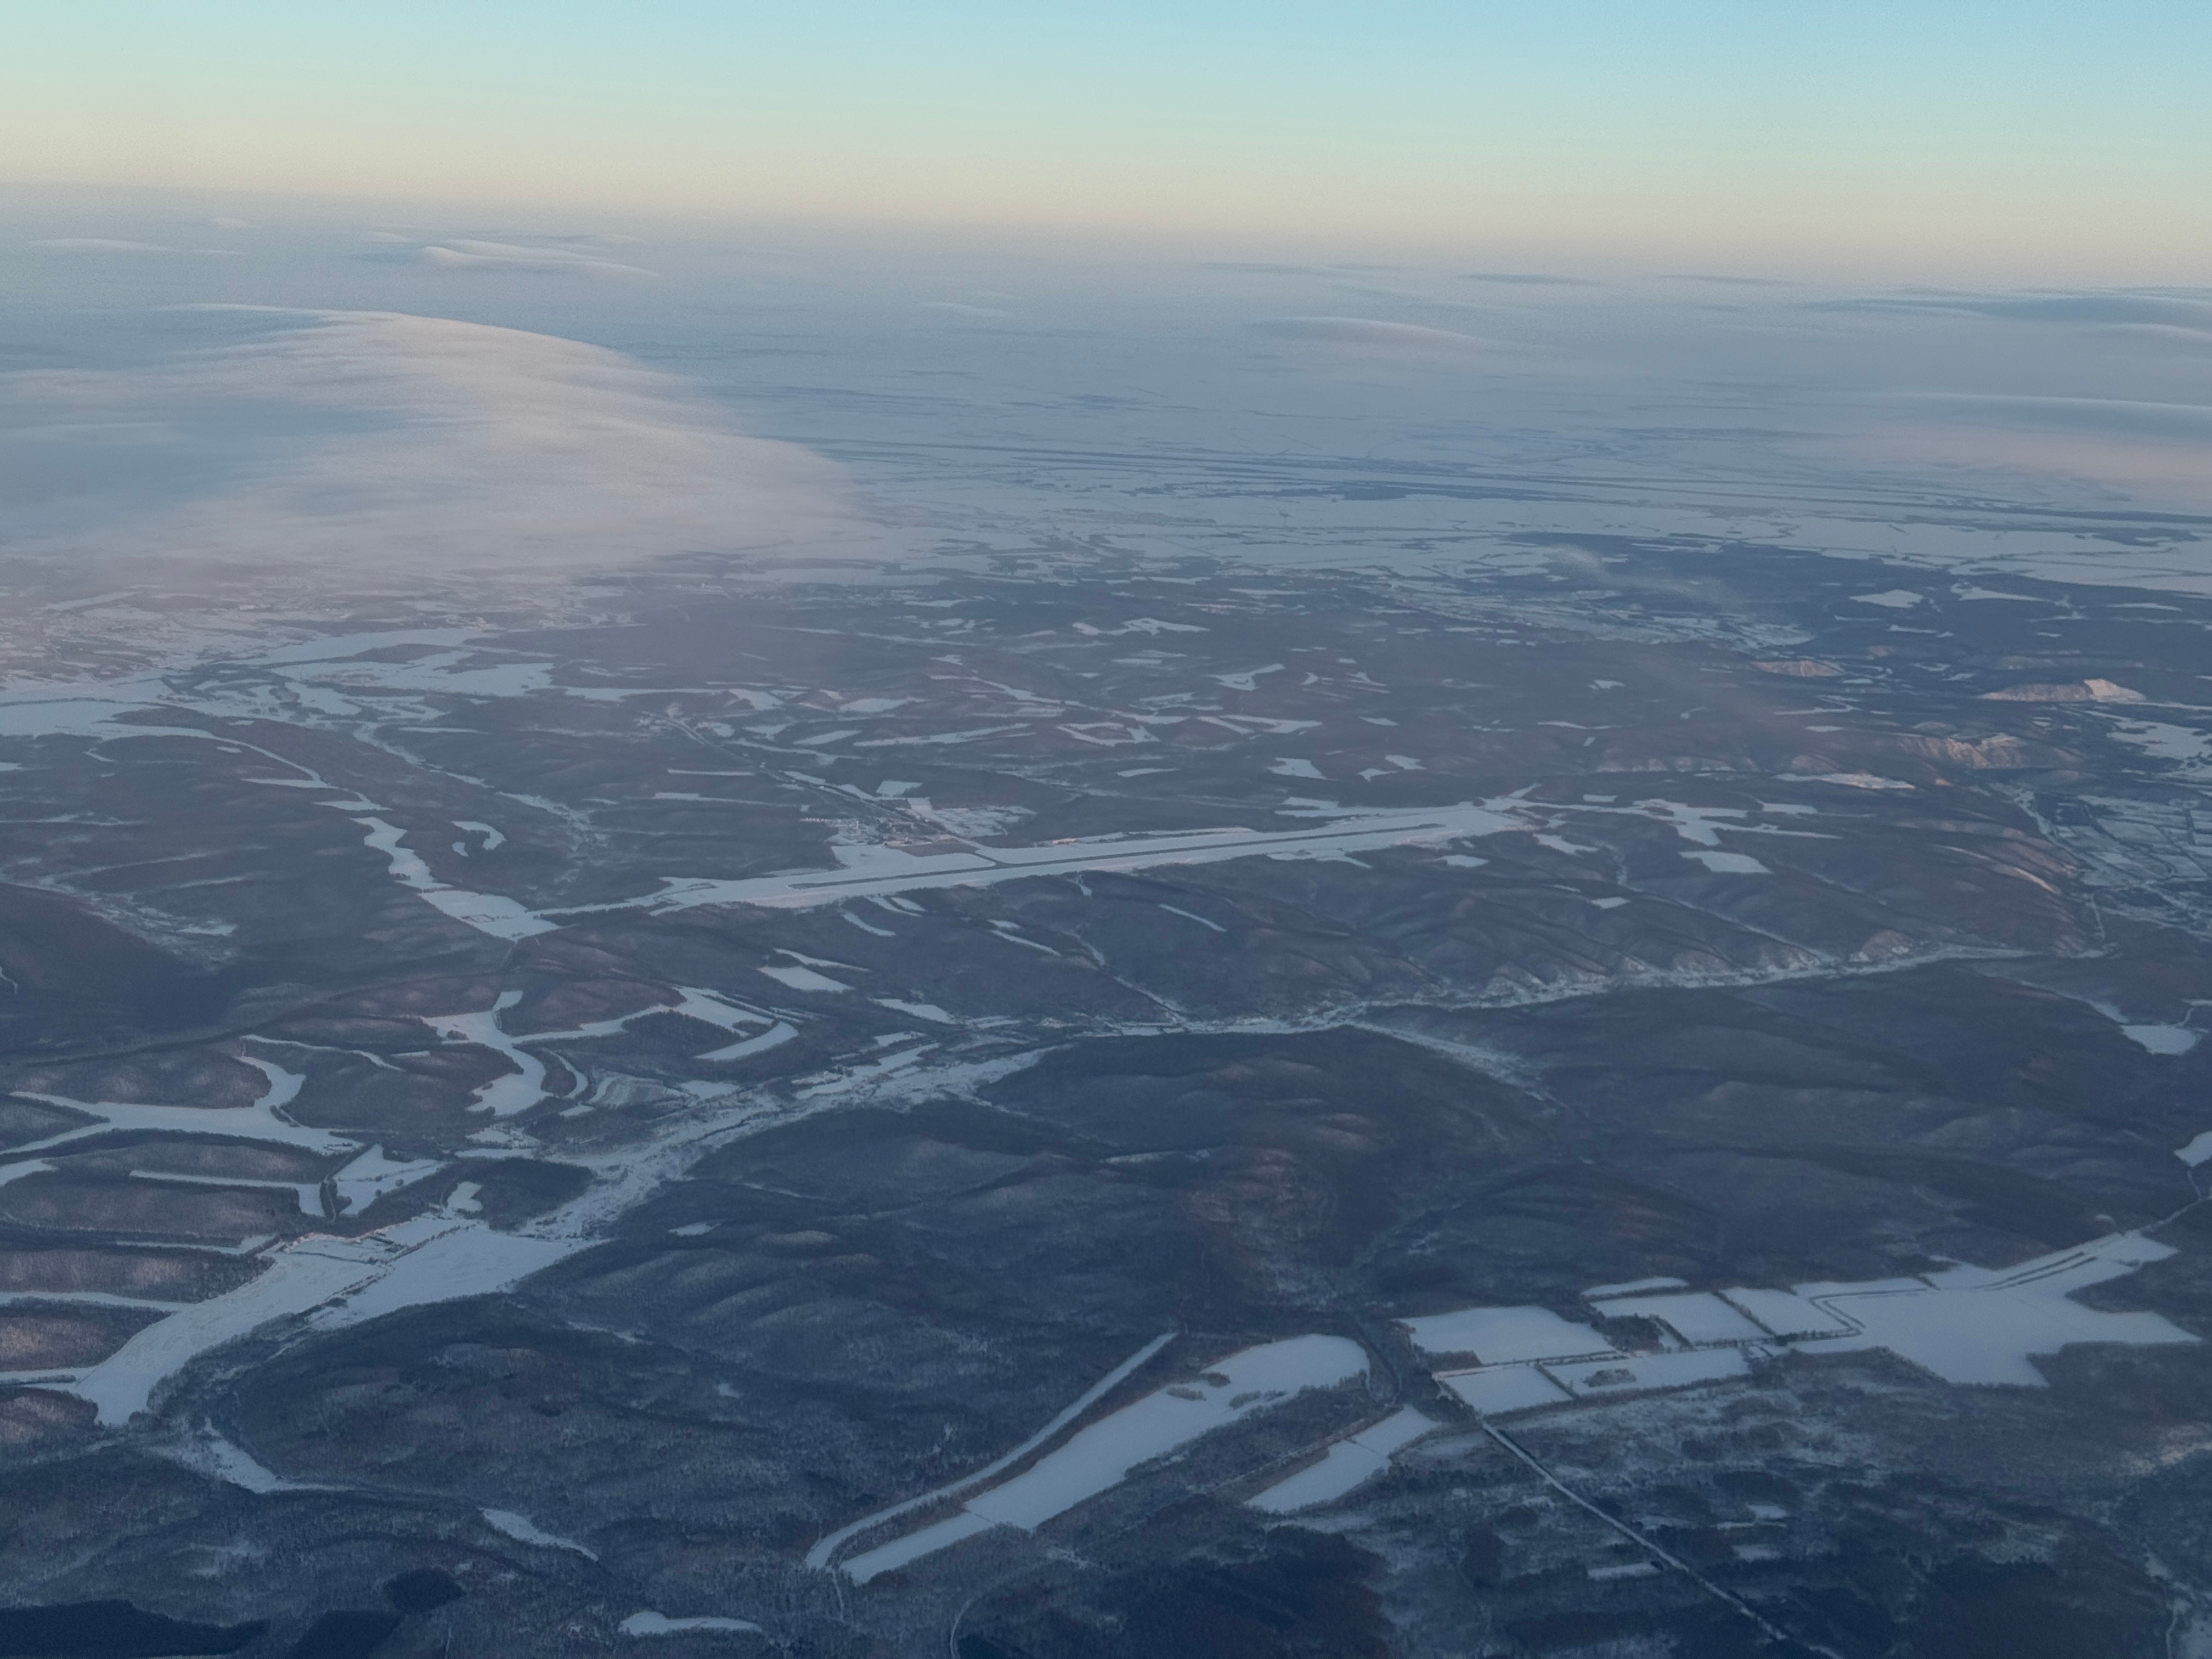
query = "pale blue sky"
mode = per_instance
[{"x": 2047, "y": 132}]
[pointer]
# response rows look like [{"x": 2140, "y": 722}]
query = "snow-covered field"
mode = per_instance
[
  {"x": 1495, "y": 1390},
  {"x": 1597, "y": 1379},
  {"x": 1500, "y": 1336},
  {"x": 1698, "y": 1317},
  {"x": 1350, "y": 1463},
  {"x": 1980, "y": 1325},
  {"x": 1963, "y": 1325},
  {"x": 1098, "y": 1458}
]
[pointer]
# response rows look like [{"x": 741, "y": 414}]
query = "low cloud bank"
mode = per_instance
[
  {"x": 365, "y": 443},
  {"x": 2159, "y": 452}
]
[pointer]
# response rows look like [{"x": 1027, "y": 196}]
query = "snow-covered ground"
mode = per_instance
[
  {"x": 1499, "y": 1336},
  {"x": 657, "y": 1624},
  {"x": 1979, "y": 1325},
  {"x": 1964, "y": 1325},
  {"x": 1495, "y": 1390},
  {"x": 432, "y": 1258},
  {"x": 825, "y": 1552},
  {"x": 488, "y": 913},
  {"x": 374, "y": 1174},
  {"x": 1350, "y": 1463},
  {"x": 524, "y": 1530},
  {"x": 1101, "y": 1456},
  {"x": 1597, "y": 1379},
  {"x": 1697, "y": 1317}
]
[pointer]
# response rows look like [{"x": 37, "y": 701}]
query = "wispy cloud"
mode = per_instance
[
  {"x": 1528, "y": 279},
  {"x": 1724, "y": 280},
  {"x": 2195, "y": 315},
  {"x": 116, "y": 244},
  {"x": 468, "y": 254},
  {"x": 1373, "y": 335}
]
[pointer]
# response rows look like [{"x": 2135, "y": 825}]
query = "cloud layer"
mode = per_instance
[
  {"x": 382, "y": 443},
  {"x": 1372, "y": 335}
]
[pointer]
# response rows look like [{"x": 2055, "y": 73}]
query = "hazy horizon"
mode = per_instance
[{"x": 2007, "y": 143}]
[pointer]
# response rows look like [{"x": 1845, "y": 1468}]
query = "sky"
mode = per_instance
[{"x": 2015, "y": 141}]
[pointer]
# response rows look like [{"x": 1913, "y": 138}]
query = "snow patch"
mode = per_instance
[
  {"x": 523, "y": 1530},
  {"x": 1350, "y": 1463},
  {"x": 656, "y": 1624}
]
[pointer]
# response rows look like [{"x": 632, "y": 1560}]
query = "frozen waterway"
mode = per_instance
[
  {"x": 488, "y": 913},
  {"x": 872, "y": 870},
  {"x": 210, "y": 1454},
  {"x": 523, "y": 1088},
  {"x": 517, "y": 1090},
  {"x": 431, "y": 1258},
  {"x": 304, "y": 1274},
  {"x": 260, "y": 1121},
  {"x": 371, "y": 1175},
  {"x": 524, "y": 1530},
  {"x": 2163, "y": 1039},
  {"x": 444, "y": 1260}
]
